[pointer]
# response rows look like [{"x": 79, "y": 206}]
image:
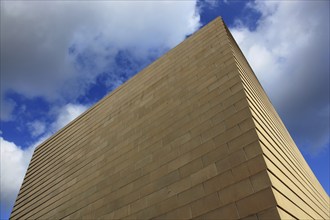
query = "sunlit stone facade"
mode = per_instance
[{"x": 191, "y": 136}]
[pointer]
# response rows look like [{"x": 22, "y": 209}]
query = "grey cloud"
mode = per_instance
[
  {"x": 36, "y": 37},
  {"x": 289, "y": 51}
]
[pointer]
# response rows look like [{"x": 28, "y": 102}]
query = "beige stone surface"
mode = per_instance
[{"x": 193, "y": 135}]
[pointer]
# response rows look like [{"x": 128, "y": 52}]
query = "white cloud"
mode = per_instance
[
  {"x": 212, "y": 3},
  {"x": 15, "y": 160},
  {"x": 14, "y": 163},
  {"x": 7, "y": 106},
  {"x": 289, "y": 52},
  {"x": 36, "y": 128},
  {"x": 36, "y": 37},
  {"x": 67, "y": 114},
  {"x": 44, "y": 45}
]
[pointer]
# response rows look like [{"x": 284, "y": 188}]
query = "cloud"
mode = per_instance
[
  {"x": 14, "y": 160},
  {"x": 64, "y": 114},
  {"x": 56, "y": 49},
  {"x": 212, "y": 3},
  {"x": 67, "y": 114},
  {"x": 37, "y": 128},
  {"x": 7, "y": 106},
  {"x": 289, "y": 52}
]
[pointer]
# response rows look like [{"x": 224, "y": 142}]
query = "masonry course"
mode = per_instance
[{"x": 193, "y": 135}]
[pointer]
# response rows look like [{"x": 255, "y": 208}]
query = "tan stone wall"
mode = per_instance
[
  {"x": 297, "y": 191},
  {"x": 181, "y": 139}
]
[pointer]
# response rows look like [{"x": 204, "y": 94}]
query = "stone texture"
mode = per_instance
[{"x": 191, "y": 136}]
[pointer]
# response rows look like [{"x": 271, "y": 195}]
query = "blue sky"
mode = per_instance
[{"x": 60, "y": 57}]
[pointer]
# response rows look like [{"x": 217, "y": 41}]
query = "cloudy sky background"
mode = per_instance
[{"x": 60, "y": 57}]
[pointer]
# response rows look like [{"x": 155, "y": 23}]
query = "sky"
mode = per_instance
[{"x": 58, "y": 58}]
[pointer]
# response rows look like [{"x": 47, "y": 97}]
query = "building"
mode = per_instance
[{"x": 191, "y": 136}]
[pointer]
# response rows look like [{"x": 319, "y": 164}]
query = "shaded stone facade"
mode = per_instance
[{"x": 191, "y": 136}]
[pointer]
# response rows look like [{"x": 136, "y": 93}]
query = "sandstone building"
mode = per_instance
[{"x": 191, "y": 136}]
